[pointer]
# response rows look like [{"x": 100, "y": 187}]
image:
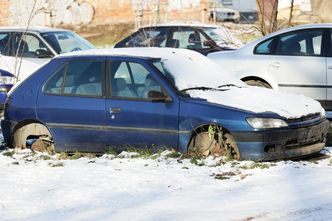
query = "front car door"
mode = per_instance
[
  {"x": 133, "y": 119},
  {"x": 76, "y": 113},
  {"x": 298, "y": 63},
  {"x": 329, "y": 73}
]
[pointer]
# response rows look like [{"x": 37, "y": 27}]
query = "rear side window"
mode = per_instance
[
  {"x": 300, "y": 43},
  {"x": 79, "y": 77},
  {"x": 148, "y": 37},
  {"x": 4, "y": 43},
  {"x": 265, "y": 47}
]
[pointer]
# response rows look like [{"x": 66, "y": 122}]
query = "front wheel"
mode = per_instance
[{"x": 215, "y": 143}]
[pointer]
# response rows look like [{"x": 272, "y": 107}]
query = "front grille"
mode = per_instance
[{"x": 305, "y": 118}]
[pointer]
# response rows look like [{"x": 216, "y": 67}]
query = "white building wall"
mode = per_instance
[{"x": 241, "y": 5}]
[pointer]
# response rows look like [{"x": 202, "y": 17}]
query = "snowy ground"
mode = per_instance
[{"x": 43, "y": 187}]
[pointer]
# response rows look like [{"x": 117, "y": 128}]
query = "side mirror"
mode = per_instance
[
  {"x": 43, "y": 53},
  {"x": 158, "y": 96},
  {"x": 209, "y": 43}
]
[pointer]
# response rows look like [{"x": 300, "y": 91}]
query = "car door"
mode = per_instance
[
  {"x": 133, "y": 119},
  {"x": 298, "y": 63},
  {"x": 72, "y": 105},
  {"x": 23, "y": 57},
  {"x": 328, "y": 44}
]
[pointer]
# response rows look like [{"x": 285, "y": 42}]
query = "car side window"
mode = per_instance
[
  {"x": 123, "y": 72},
  {"x": 138, "y": 88},
  {"x": 79, "y": 77},
  {"x": 300, "y": 43},
  {"x": 264, "y": 47},
  {"x": 185, "y": 38},
  {"x": 29, "y": 46},
  {"x": 4, "y": 43},
  {"x": 55, "y": 83},
  {"x": 149, "y": 37}
]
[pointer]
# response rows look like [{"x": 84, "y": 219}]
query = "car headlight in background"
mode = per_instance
[
  {"x": 6, "y": 80},
  {"x": 263, "y": 123}
]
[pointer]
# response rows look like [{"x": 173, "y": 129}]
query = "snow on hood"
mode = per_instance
[
  {"x": 260, "y": 100},
  {"x": 190, "y": 69}
]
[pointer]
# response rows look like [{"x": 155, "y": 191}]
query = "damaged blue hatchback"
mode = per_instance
[{"x": 157, "y": 98}]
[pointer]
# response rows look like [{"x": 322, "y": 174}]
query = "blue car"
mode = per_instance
[
  {"x": 157, "y": 98},
  {"x": 6, "y": 84}
]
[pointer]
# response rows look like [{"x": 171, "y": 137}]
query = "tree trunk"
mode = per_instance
[{"x": 274, "y": 17}]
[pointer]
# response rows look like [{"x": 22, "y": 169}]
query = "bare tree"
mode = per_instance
[
  {"x": 18, "y": 56},
  {"x": 268, "y": 11},
  {"x": 291, "y": 13}
]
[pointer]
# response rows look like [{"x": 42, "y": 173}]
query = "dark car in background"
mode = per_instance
[{"x": 198, "y": 37}]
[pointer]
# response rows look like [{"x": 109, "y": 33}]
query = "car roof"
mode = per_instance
[
  {"x": 39, "y": 29},
  {"x": 299, "y": 27},
  {"x": 144, "y": 52},
  {"x": 252, "y": 44},
  {"x": 175, "y": 24}
]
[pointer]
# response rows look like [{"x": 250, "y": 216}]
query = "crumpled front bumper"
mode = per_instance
[{"x": 282, "y": 143}]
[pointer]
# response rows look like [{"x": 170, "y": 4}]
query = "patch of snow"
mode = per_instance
[
  {"x": 144, "y": 189},
  {"x": 125, "y": 154}
]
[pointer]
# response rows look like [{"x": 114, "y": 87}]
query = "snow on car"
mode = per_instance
[{"x": 158, "y": 98}]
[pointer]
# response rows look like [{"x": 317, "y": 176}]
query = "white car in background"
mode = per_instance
[
  {"x": 22, "y": 51},
  {"x": 297, "y": 60}
]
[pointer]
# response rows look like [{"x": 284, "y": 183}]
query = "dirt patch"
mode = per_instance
[{"x": 106, "y": 35}]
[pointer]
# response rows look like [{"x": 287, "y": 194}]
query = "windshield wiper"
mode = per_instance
[
  {"x": 199, "y": 88},
  {"x": 229, "y": 85}
]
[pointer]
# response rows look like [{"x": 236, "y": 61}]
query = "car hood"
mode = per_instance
[{"x": 261, "y": 100}]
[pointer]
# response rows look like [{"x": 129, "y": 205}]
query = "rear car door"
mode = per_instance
[
  {"x": 299, "y": 63},
  {"x": 72, "y": 105},
  {"x": 133, "y": 119}
]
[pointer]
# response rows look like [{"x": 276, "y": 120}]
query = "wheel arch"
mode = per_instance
[
  {"x": 204, "y": 126},
  {"x": 27, "y": 128},
  {"x": 262, "y": 78},
  {"x": 222, "y": 138}
]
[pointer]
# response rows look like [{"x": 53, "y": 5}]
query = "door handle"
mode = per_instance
[
  {"x": 115, "y": 110},
  {"x": 329, "y": 67},
  {"x": 275, "y": 64}
]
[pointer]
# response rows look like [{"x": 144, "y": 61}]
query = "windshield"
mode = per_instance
[
  {"x": 188, "y": 70},
  {"x": 222, "y": 37},
  {"x": 66, "y": 41}
]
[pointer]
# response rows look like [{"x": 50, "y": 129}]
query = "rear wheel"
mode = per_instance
[
  {"x": 42, "y": 140},
  {"x": 214, "y": 142},
  {"x": 257, "y": 83}
]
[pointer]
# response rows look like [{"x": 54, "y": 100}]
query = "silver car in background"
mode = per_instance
[{"x": 297, "y": 60}]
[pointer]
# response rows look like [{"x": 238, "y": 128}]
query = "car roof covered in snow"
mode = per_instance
[
  {"x": 144, "y": 52},
  {"x": 189, "y": 24}
]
